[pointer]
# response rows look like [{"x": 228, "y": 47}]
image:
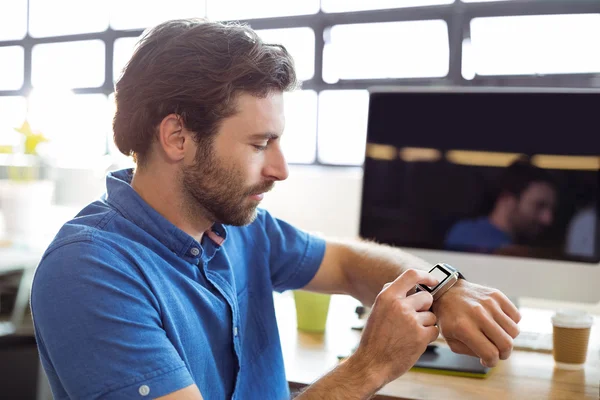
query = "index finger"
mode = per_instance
[{"x": 409, "y": 279}]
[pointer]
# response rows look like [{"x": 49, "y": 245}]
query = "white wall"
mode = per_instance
[{"x": 319, "y": 199}]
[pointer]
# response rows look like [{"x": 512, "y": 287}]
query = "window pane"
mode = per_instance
[
  {"x": 123, "y": 50},
  {"x": 539, "y": 44},
  {"x": 359, "y": 5},
  {"x": 68, "y": 65},
  {"x": 468, "y": 66},
  {"x": 299, "y": 141},
  {"x": 12, "y": 115},
  {"x": 66, "y": 17},
  {"x": 300, "y": 42},
  {"x": 244, "y": 9},
  {"x": 75, "y": 125},
  {"x": 13, "y": 19},
  {"x": 140, "y": 14},
  {"x": 410, "y": 50},
  {"x": 343, "y": 126},
  {"x": 12, "y": 58}
]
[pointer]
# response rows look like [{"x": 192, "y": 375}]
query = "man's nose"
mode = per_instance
[{"x": 277, "y": 167}]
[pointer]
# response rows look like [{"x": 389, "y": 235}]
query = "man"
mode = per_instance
[
  {"x": 163, "y": 288},
  {"x": 523, "y": 209}
]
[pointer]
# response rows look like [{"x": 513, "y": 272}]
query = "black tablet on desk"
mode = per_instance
[{"x": 442, "y": 360}]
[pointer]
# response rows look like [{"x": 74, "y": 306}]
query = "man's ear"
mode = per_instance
[{"x": 172, "y": 137}]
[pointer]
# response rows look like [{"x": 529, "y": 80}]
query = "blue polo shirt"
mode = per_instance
[
  {"x": 126, "y": 305},
  {"x": 477, "y": 235}
]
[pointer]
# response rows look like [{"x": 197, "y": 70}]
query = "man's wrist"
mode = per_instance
[
  {"x": 436, "y": 304},
  {"x": 359, "y": 369},
  {"x": 353, "y": 379}
]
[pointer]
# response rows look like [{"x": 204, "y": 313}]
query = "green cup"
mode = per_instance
[{"x": 311, "y": 310}]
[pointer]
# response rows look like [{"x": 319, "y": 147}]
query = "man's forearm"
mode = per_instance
[
  {"x": 368, "y": 266},
  {"x": 351, "y": 380}
]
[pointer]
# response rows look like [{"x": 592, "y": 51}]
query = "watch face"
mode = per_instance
[{"x": 440, "y": 274}]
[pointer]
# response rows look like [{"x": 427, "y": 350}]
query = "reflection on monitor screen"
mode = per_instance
[{"x": 505, "y": 173}]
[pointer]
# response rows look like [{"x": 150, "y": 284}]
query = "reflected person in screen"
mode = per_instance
[
  {"x": 163, "y": 287},
  {"x": 523, "y": 210}
]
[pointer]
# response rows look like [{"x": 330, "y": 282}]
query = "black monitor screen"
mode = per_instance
[{"x": 497, "y": 172}]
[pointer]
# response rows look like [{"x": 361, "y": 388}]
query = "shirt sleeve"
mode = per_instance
[
  {"x": 295, "y": 255},
  {"x": 99, "y": 328}
]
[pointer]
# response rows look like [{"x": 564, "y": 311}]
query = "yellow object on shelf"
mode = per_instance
[{"x": 32, "y": 140}]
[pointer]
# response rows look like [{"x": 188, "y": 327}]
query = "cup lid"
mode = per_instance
[{"x": 572, "y": 319}]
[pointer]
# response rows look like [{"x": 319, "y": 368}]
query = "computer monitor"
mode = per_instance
[{"x": 503, "y": 183}]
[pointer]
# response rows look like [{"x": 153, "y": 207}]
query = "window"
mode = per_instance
[
  {"x": 68, "y": 17},
  {"x": 68, "y": 65},
  {"x": 244, "y": 9},
  {"x": 11, "y": 77},
  {"x": 13, "y": 19},
  {"x": 75, "y": 124},
  {"x": 468, "y": 64},
  {"x": 299, "y": 42},
  {"x": 12, "y": 114},
  {"x": 123, "y": 50},
  {"x": 539, "y": 44},
  {"x": 299, "y": 140},
  {"x": 343, "y": 126},
  {"x": 340, "y": 49},
  {"x": 332, "y": 6},
  {"x": 386, "y": 50},
  {"x": 141, "y": 14}
]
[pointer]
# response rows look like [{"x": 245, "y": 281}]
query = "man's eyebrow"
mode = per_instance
[{"x": 265, "y": 136}]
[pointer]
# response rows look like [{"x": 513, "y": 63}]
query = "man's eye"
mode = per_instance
[{"x": 259, "y": 147}]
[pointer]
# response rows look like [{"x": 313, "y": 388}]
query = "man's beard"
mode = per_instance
[
  {"x": 525, "y": 232},
  {"x": 217, "y": 193}
]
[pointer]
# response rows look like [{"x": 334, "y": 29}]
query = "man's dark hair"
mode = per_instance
[
  {"x": 195, "y": 69},
  {"x": 520, "y": 174}
]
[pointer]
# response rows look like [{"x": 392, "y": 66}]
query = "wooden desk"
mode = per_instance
[{"x": 526, "y": 375}]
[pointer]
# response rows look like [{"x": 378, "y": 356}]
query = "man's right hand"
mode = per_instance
[{"x": 398, "y": 330}]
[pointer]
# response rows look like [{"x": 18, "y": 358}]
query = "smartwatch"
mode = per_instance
[{"x": 447, "y": 276}]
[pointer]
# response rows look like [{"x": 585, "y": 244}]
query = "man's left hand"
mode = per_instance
[{"x": 477, "y": 321}]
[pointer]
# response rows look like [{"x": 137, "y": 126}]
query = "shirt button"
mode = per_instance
[
  {"x": 195, "y": 251},
  {"x": 144, "y": 390},
  {"x": 235, "y": 331}
]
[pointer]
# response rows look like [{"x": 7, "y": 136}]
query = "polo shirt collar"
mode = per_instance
[{"x": 128, "y": 202}]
